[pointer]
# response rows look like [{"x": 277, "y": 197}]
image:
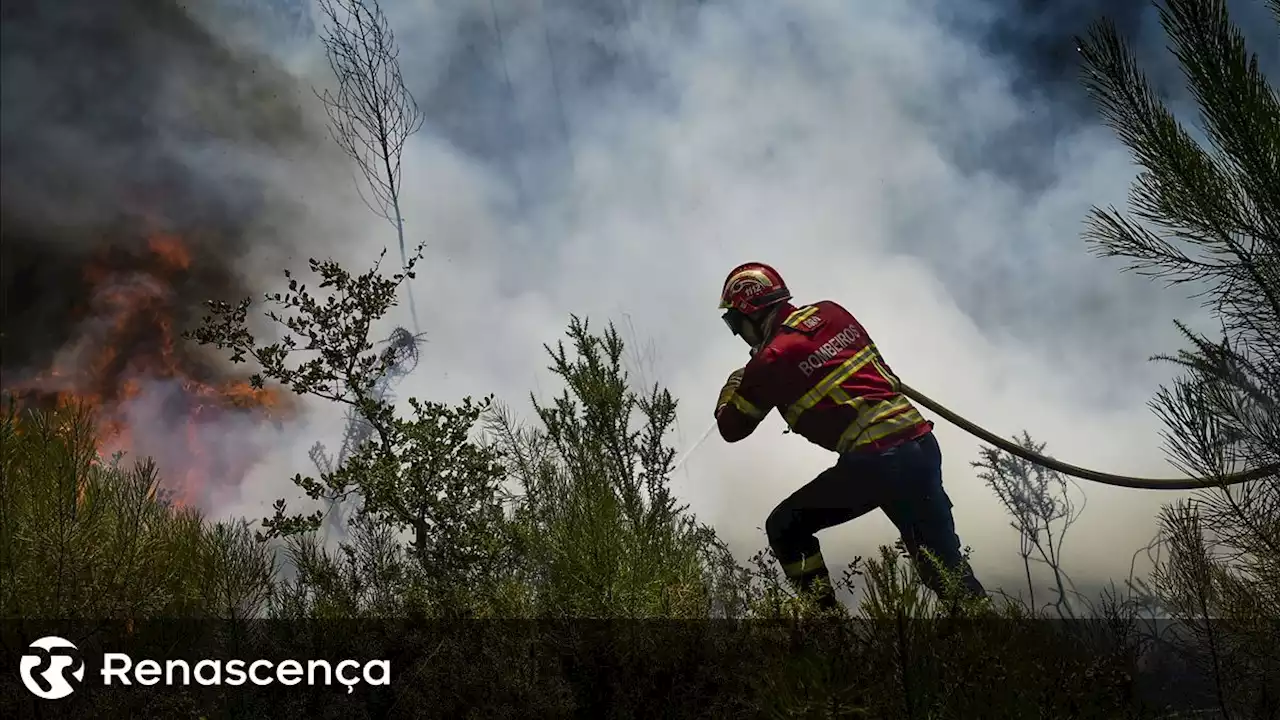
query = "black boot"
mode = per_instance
[{"x": 818, "y": 585}]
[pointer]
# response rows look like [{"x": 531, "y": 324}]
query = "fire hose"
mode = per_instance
[{"x": 1190, "y": 483}]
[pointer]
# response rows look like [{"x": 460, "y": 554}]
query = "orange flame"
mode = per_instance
[
  {"x": 129, "y": 352},
  {"x": 169, "y": 249}
]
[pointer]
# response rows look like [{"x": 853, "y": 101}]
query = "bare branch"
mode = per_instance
[{"x": 371, "y": 111}]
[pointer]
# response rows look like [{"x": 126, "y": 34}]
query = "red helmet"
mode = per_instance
[{"x": 752, "y": 287}]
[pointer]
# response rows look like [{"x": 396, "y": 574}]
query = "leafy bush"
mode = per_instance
[{"x": 87, "y": 537}]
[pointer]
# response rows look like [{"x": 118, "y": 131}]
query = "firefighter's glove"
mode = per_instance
[{"x": 730, "y": 386}]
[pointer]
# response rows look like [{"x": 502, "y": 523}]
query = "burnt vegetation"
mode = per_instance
[{"x": 544, "y": 568}]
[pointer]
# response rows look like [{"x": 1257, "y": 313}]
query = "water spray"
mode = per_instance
[{"x": 691, "y": 450}]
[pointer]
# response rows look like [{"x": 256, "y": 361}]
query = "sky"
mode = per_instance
[{"x": 928, "y": 164}]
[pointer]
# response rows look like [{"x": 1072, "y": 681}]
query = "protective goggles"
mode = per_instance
[{"x": 733, "y": 319}]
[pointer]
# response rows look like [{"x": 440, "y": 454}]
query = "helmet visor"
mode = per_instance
[{"x": 733, "y": 320}]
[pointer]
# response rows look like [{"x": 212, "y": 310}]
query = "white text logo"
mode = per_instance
[
  {"x": 829, "y": 349},
  {"x": 120, "y": 667},
  {"x": 44, "y": 671}
]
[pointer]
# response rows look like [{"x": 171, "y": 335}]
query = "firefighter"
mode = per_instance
[{"x": 817, "y": 366}]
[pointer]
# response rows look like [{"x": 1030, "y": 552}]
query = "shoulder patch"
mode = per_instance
[{"x": 804, "y": 320}]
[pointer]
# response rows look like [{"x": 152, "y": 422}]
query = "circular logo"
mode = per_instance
[{"x": 46, "y": 667}]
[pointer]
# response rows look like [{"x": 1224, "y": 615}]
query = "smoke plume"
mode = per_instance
[
  {"x": 136, "y": 182},
  {"x": 926, "y": 163}
]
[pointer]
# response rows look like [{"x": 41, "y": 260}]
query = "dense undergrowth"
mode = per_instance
[{"x": 586, "y": 588}]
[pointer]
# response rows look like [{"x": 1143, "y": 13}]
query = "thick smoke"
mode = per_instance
[
  {"x": 121, "y": 119},
  {"x": 124, "y": 124},
  {"x": 927, "y": 163}
]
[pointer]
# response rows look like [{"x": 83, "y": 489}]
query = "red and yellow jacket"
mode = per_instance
[{"x": 828, "y": 381}]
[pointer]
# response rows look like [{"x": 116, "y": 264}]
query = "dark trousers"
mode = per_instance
[{"x": 905, "y": 482}]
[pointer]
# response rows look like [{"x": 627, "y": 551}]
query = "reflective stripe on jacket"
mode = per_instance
[{"x": 825, "y": 377}]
